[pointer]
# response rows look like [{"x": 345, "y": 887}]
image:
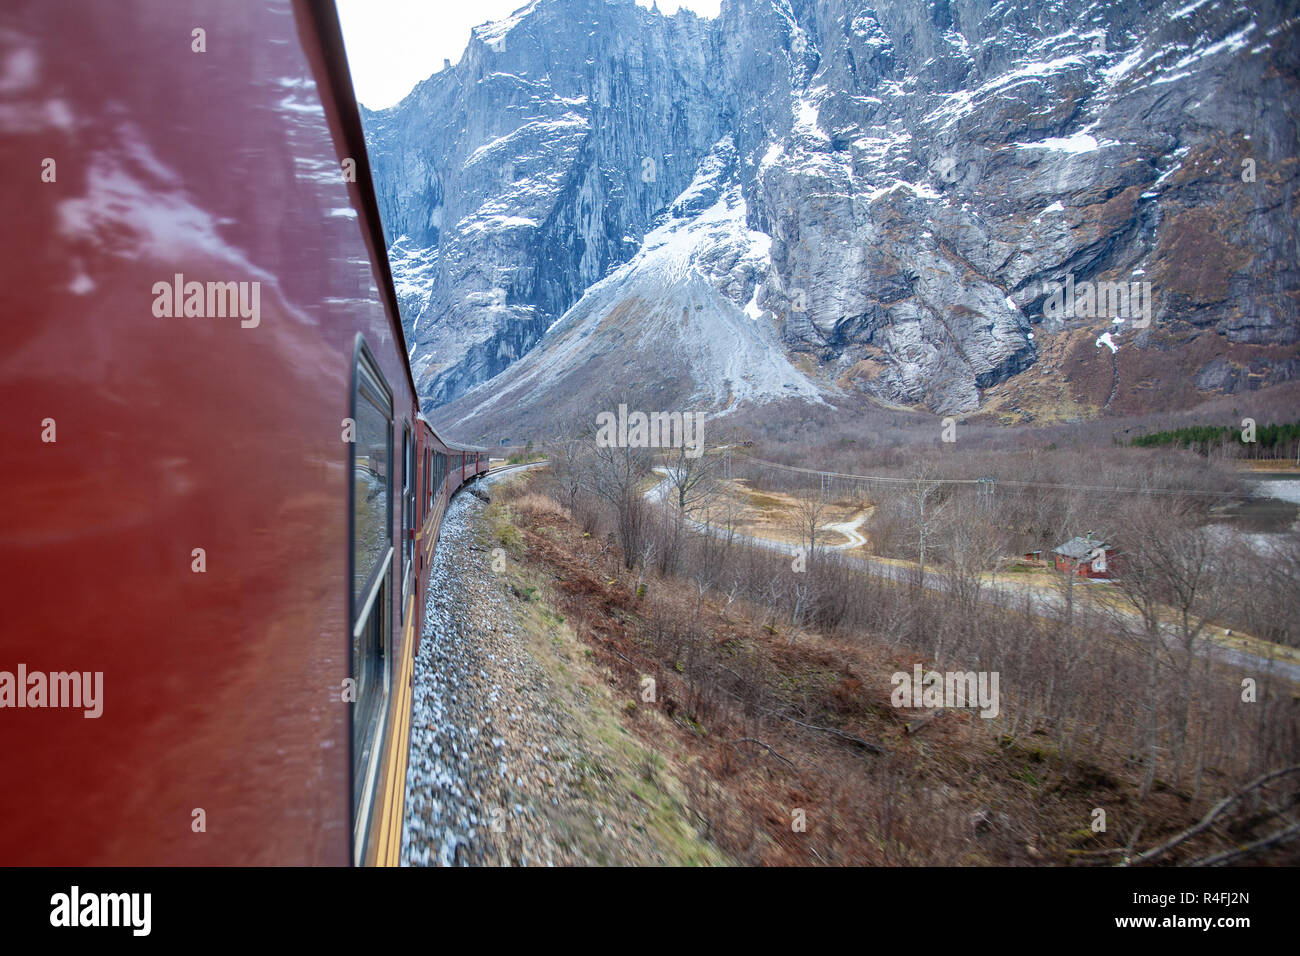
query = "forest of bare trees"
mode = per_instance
[{"x": 1117, "y": 674}]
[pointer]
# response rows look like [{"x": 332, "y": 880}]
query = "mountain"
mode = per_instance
[
  {"x": 835, "y": 200},
  {"x": 669, "y": 319}
]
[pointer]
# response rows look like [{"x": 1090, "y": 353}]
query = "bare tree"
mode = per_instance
[
  {"x": 570, "y": 458},
  {"x": 1194, "y": 586},
  {"x": 692, "y": 478},
  {"x": 810, "y": 509},
  {"x": 725, "y": 511},
  {"x": 614, "y": 476},
  {"x": 924, "y": 503},
  {"x": 973, "y": 543},
  {"x": 1171, "y": 576}
]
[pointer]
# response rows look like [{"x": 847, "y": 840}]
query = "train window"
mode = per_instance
[
  {"x": 369, "y": 655},
  {"x": 372, "y": 561},
  {"x": 372, "y": 472},
  {"x": 408, "y": 510}
]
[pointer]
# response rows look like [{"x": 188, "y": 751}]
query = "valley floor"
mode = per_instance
[
  {"x": 771, "y": 519},
  {"x": 570, "y": 712}
]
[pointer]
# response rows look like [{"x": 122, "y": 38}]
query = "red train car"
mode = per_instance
[{"x": 220, "y": 497}]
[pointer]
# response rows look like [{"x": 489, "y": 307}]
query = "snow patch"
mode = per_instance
[
  {"x": 498, "y": 224},
  {"x": 1078, "y": 143},
  {"x": 496, "y": 30},
  {"x": 1281, "y": 490}
]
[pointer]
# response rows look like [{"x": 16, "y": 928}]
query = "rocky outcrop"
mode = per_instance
[{"x": 884, "y": 191}]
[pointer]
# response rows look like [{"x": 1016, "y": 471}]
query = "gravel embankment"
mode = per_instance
[
  {"x": 518, "y": 755},
  {"x": 479, "y": 749}
]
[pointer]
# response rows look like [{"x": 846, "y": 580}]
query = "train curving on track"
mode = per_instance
[{"x": 222, "y": 501}]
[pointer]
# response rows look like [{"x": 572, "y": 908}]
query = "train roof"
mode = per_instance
[
  {"x": 454, "y": 446},
  {"x": 345, "y": 100}
]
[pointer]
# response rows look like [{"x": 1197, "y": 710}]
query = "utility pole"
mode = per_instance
[{"x": 986, "y": 490}]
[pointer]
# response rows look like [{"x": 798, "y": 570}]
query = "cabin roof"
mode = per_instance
[{"x": 1081, "y": 546}]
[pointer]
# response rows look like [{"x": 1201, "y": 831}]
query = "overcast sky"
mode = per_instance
[{"x": 394, "y": 44}]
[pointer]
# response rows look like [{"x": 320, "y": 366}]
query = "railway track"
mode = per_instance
[{"x": 495, "y": 473}]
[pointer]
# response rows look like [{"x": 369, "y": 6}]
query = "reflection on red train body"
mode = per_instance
[{"x": 187, "y": 530}]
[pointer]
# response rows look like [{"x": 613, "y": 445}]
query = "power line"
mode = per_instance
[{"x": 986, "y": 488}]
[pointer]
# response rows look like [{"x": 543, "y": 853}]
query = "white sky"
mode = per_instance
[{"x": 394, "y": 44}]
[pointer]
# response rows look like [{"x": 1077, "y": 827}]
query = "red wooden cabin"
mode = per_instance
[{"x": 1086, "y": 556}]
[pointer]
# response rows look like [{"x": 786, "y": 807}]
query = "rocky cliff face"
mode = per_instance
[{"x": 888, "y": 197}]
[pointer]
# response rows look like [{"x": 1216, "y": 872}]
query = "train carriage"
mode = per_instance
[{"x": 222, "y": 499}]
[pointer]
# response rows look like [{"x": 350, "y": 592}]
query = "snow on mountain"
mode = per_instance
[
  {"x": 670, "y": 314},
  {"x": 849, "y": 197}
]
